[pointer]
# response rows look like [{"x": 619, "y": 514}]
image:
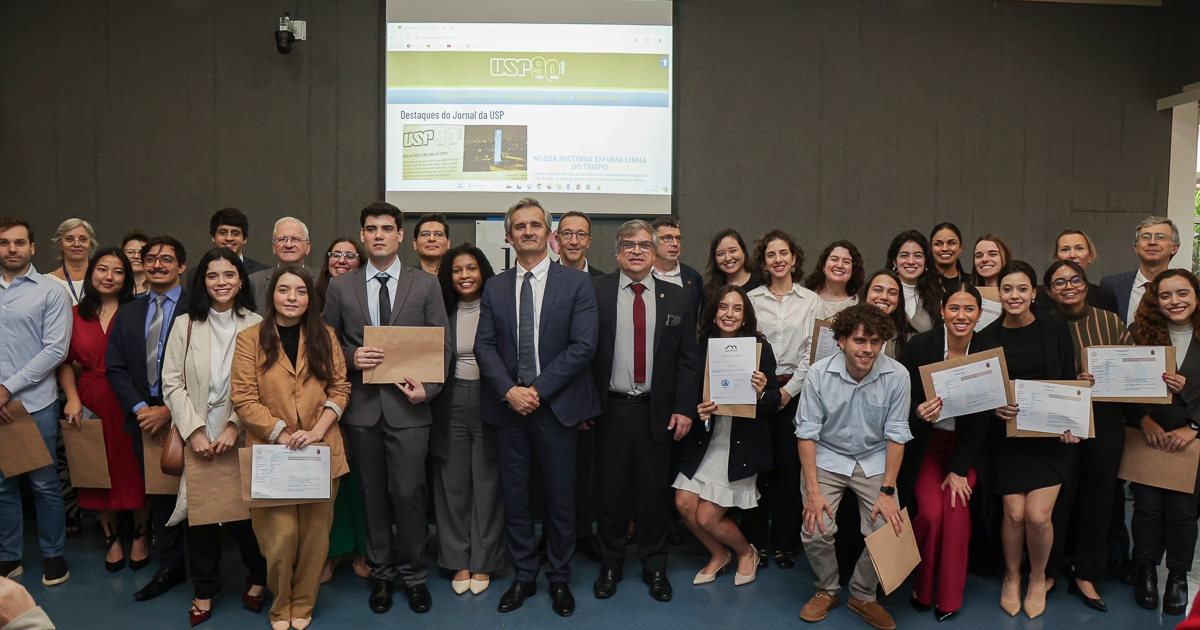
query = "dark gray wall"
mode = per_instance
[{"x": 854, "y": 119}]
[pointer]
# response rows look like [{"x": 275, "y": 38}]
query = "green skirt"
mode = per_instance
[{"x": 346, "y": 534}]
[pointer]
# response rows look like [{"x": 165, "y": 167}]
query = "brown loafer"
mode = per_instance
[
  {"x": 872, "y": 613},
  {"x": 819, "y": 606}
]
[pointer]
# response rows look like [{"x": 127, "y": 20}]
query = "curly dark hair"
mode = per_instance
[
  {"x": 450, "y": 296},
  {"x": 899, "y": 317},
  {"x": 816, "y": 280},
  {"x": 928, "y": 285},
  {"x": 1149, "y": 324},
  {"x": 714, "y": 278},
  {"x": 760, "y": 255},
  {"x": 708, "y": 318},
  {"x": 870, "y": 317}
]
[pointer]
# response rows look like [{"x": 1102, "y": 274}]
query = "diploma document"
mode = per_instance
[
  {"x": 1131, "y": 373},
  {"x": 281, "y": 473},
  {"x": 1053, "y": 408},
  {"x": 989, "y": 312},
  {"x": 731, "y": 363},
  {"x": 823, "y": 342},
  {"x": 970, "y": 384}
]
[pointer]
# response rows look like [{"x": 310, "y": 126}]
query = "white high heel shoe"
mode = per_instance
[
  {"x": 739, "y": 579},
  {"x": 705, "y": 578},
  {"x": 479, "y": 586},
  {"x": 460, "y": 586}
]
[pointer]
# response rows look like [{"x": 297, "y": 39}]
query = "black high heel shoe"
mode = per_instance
[
  {"x": 109, "y": 541},
  {"x": 136, "y": 565},
  {"x": 917, "y": 605},
  {"x": 1095, "y": 604},
  {"x": 942, "y": 615}
]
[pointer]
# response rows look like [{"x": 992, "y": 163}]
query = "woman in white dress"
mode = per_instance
[{"x": 720, "y": 460}]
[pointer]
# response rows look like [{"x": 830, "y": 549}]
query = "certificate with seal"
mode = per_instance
[
  {"x": 970, "y": 384},
  {"x": 1130, "y": 373},
  {"x": 731, "y": 363},
  {"x": 1054, "y": 408},
  {"x": 280, "y": 473}
]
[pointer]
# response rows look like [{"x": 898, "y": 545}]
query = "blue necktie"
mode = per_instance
[{"x": 526, "y": 359}]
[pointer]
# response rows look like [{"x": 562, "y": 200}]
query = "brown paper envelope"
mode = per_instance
[
  {"x": 994, "y": 354},
  {"x": 1144, "y": 464},
  {"x": 212, "y": 495},
  {"x": 1010, "y": 426},
  {"x": 1165, "y": 400},
  {"x": 989, "y": 293},
  {"x": 156, "y": 481},
  {"x": 735, "y": 411},
  {"x": 414, "y": 351},
  {"x": 87, "y": 457},
  {"x": 22, "y": 448},
  {"x": 894, "y": 557},
  {"x": 246, "y": 472}
]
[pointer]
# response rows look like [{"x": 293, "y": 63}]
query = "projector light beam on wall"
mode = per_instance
[{"x": 289, "y": 31}]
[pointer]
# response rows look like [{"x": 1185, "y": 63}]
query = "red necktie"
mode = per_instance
[{"x": 639, "y": 333}]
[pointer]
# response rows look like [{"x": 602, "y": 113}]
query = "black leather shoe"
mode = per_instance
[
  {"x": 561, "y": 599},
  {"x": 785, "y": 559},
  {"x": 1095, "y": 604},
  {"x": 1145, "y": 588},
  {"x": 163, "y": 581},
  {"x": 917, "y": 605},
  {"x": 516, "y": 595},
  {"x": 1175, "y": 599},
  {"x": 942, "y": 615},
  {"x": 381, "y": 597},
  {"x": 419, "y": 600},
  {"x": 660, "y": 586},
  {"x": 606, "y": 584},
  {"x": 590, "y": 547}
]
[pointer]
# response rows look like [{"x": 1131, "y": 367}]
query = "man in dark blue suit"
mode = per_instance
[
  {"x": 1155, "y": 241},
  {"x": 535, "y": 341},
  {"x": 138, "y": 334},
  {"x": 646, "y": 369},
  {"x": 666, "y": 261}
]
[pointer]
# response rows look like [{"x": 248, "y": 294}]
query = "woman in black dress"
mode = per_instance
[{"x": 1029, "y": 471}]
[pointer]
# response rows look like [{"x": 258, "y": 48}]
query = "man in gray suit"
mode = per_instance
[
  {"x": 387, "y": 426},
  {"x": 289, "y": 243}
]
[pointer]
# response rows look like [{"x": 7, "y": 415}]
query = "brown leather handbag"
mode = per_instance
[{"x": 171, "y": 461}]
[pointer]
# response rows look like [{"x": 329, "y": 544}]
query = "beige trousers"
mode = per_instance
[
  {"x": 819, "y": 547},
  {"x": 295, "y": 541}
]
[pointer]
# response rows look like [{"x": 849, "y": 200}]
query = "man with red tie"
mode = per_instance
[{"x": 646, "y": 368}]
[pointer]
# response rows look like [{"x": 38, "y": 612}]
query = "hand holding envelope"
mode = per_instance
[{"x": 411, "y": 355}]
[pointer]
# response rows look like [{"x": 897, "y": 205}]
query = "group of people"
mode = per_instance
[{"x": 574, "y": 397}]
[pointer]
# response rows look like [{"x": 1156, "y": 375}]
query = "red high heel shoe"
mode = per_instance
[
  {"x": 253, "y": 602},
  {"x": 197, "y": 616}
]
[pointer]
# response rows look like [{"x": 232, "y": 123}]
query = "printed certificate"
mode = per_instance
[
  {"x": 1131, "y": 373},
  {"x": 1053, "y": 408},
  {"x": 281, "y": 473},
  {"x": 970, "y": 384}
]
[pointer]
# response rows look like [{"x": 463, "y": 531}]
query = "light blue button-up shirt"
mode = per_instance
[
  {"x": 851, "y": 422},
  {"x": 35, "y": 331}
]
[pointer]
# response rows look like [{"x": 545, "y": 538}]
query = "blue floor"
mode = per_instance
[{"x": 95, "y": 599}]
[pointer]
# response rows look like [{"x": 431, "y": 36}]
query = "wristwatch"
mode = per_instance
[
  {"x": 888, "y": 490},
  {"x": 1193, "y": 425}
]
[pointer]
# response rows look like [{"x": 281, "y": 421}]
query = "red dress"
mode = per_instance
[{"x": 89, "y": 344}]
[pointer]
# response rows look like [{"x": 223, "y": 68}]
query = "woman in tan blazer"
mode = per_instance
[
  {"x": 290, "y": 387},
  {"x": 195, "y": 379}
]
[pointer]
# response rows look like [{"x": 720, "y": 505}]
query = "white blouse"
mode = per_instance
[{"x": 222, "y": 336}]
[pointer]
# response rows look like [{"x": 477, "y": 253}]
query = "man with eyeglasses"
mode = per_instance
[
  {"x": 1155, "y": 241},
  {"x": 646, "y": 366},
  {"x": 431, "y": 240},
  {"x": 666, "y": 262},
  {"x": 290, "y": 244},
  {"x": 137, "y": 336},
  {"x": 574, "y": 238}
]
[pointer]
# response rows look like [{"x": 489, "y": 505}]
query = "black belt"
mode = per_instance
[{"x": 630, "y": 398}]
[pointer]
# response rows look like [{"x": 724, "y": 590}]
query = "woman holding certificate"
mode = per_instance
[
  {"x": 939, "y": 463},
  {"x": 196, "y": 367},
  {"x": 720, "y": 461},
  {"x": 728, "y": 263},
  {"x": 909, "y": 255},
  {"x": 1164, "y": 521},
  {"x": 992, "y": 253},
  {"x": 1029, "y": 471},
  {"x": 836, "y": 278},
  {"x": 882, "y": 289},
  {"x": 1091, "y": 500},
  {"x": 289, "y": 387}
]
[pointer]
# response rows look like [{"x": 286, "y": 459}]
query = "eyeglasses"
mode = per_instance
[
  {"x": 133, "y": 253},
  {"x": 351, "y": 256},
  {"x": 284, "y": 240},
  {"x": 671, "y": 238},
  {"x": 1158, "y": 236},
  {"x": 1061, "y": 283},
  {"x": 428, "y": 233},
  {"x": 167, "y": 261},
  {"x": 629, "y": 246},
  {"x": 73, "y": 240},
  {"x": 566, "y": 235}
]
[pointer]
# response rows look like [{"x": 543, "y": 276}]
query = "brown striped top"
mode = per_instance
[{"x": 1094, "y": 327}]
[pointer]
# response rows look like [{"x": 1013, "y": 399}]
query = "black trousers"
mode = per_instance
[
  {"x": 1164, "y": 521},
  {"x": 773, "y": 526},
  {"x": 631, "y": 473},
  {"x": 585, "y": 483},
  {"x": 204, "y": 551},
  {"x": 1099, "y": 461},
  {"x": 168, "y": 540}
]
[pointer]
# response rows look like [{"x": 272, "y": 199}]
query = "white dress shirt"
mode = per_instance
[
  {"x": 673, "y": 276},
  {"x": 1135, "y": 296},
  {"x": 373, "y": 288},
  {"x": 621, "y": 380},
  {"x": 788, "y": 325},
  {"x": 538, "y": 283}
]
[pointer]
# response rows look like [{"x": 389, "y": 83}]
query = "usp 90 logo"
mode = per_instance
[{"x": 538, "y": 67}]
